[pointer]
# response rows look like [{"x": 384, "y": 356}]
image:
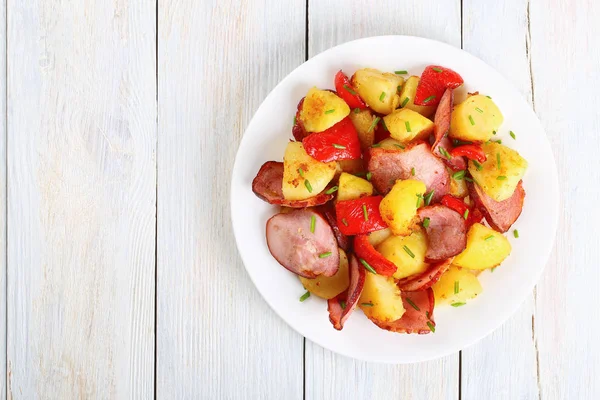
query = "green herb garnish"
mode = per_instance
[
  {"x": 356, "y": 110},
  {"x": 428, "y": 197},
  {"x": 329, "y": 111},
  {"x": 512, "y": 135},
  {"x": 444, "y": 153},
  {"x": 374, "y": 123},
  {"x": 400, "y": 146},
  {"x": 471, "y": 120},
  {"x": 498, "y": 164},
  {"x": 457, "y": 304},
  {"x": 479, "y": 110},
  {"x": 501, "y": 178},
  {"x": 436, "y": 69},
  {"x": 431, "y": 327},
  {"x": 426, "y": 222},
  {"x": 459, "y": 175},
  {"x": 456, "y": 287},
  {"x": 308, "y": 185},
  {"x": 403, "y": 72},
  {"x": 382, "y": 96},
  {"x": 325, "y": 255},
  {"x": 301, "y": 172},
  {"x": 407, "y": 125},
  {"x": 412, "y": 171},
  {"x": 406, "y": 99},
  {"x": 367, "y": 266},
  {"x": 413, "y": 305},
  {"x": 407, "y": 250},
  {"x": 343, "y": 304},
  {"x": 304, "y": 296},
  {"x": 427, "y": 100},
  {"x": 466, "y": 214},
  {"x": 313, "y": 223},
  {"x": 365, "y": 213},
  {"x": 332, "y": 190},
  {"x": 516, "y": 234},
  {"x": 366, "y": 304},
  {"x": 368, "y": 176},
  {"x": 344, "y": 222},
  {"x": 338, "y": 146},
  {"x": 349, "y": 89},
  {"x": 477, "y": 165},
  {"x": 488, "y": 237}
]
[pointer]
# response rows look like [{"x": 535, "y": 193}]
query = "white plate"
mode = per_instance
[{"x": 503, "y": 290}]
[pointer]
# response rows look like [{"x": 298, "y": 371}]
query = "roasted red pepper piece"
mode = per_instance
[
  {"x": 360, "y": 216},
  {"x": 433, "y": 83},
  {"x": 471, "y": 151},
  {"x": 461, "y": 207},
  {"x": 340, "y": 142},
  {"x": 365, "y": 250},
  {"x": 298, "y": 129},
  {"x": 381, "y": 131},
  {"x": 345, "y": 90}
]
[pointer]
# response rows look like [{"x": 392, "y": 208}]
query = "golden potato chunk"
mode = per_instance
[
  {"x": 500, "y": 174},
  {"x": 475, "y": 119},
  {"x": 458, "y": 187},
  {"x": 329, "y": 287},
  {"x": 380, "y": 298},
  {"x": 379, "y": 90},
  {"x": 352, "y": 187},
  {"x": 486, "y": 248},
  {"x": 322, "y": 109},
  {"x": 303, "y": 176},
  {"x": 406, "y": 125},
  {"x": 395, "y": 250},
  {"x": 456, "y": 287},
  {"x": 378, "y": 237},
  {"x": 407, "y": 98},
  {"x": 399, "y": 207},
  {"x": 364, "y": 122}
]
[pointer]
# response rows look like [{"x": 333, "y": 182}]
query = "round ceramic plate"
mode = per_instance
[{"x": 503, "y": 290}]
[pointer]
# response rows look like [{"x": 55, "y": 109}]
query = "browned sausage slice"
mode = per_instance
[
  {"x": 446, "y": 232},
  {"x": 341, "y": 306},
  {"x": 499, "y": 214}
]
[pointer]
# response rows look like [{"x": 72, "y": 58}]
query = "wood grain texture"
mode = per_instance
[
  {"x": 216, "y": 337},
  {"x": 81, "y": 199},
  {"x": 3, "y": 197},
  {"x": 565, "y": 57},
  {"x": 502, "y": 365},
  {"x": 329, "y": 375}
]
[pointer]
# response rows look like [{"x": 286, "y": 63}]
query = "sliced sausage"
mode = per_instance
[
  {"x": 268, "y": 183},
  {"x": 341, "y": 306},
  {"x": 499, "y": 214},
  {"x": 388, "y": 165},
  {"x": 418, "y": 315},
  {"x": 441, "y": 127},
  {"x": 308, "y": 254},
  {"x": 328, "y": 212},
  {"x": 446, "y": 232},
  {"x": 426, "y": 279}
]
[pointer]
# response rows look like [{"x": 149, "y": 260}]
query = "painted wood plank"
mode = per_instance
[
  {"x": 502, "y": 365},
  {"x": 216, "y": 337},
  {"x": 565, "y": 57},
  {"x": 81, "y": 199},
  {"x": 329, "y": 375},
  {"x": 3, "y": 197}
]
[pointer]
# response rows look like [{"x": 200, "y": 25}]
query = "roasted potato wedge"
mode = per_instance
[
  {"x": 394, "y": 250},
  {"x": 329, "y": 287},
  {"x": 399, "y": 207},
  {"x": 406, "y": 125},
  {"x": 380, "y": 298},
  {"x": 475, "y": 119},
  {"x": 303, "y": 176},
  {"x": 363, "y": 121},
  {"x": 486, "y": 248},
  {"x": 456, "y": 287},
  {"x": 407, "y": 97},
  {"x": 352, "y": 187},
  {"x": 458, "y": 187},
  {"x": 322, "y": 109},
  {"x": 378, "y": 89}
]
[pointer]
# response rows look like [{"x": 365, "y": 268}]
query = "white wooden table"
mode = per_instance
[{"x": 120, "y": 277}]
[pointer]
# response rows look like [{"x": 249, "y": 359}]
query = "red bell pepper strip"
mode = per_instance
[
  {"x": 461, "y": 207},
  {"x": 340, "y": 142},
  {"x": 433, "y": 83},
  {"x": 345, "y": 90},
  {"x": 298, "y": 129},
  {"x": 381, "y": 132},
  {"x": 360, "y": 216},
  {"x": 471, "y": 151},
  {"x": 365, "y": 251}
]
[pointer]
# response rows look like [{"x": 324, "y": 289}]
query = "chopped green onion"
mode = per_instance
[
  {"x": 406, "y": 99},
  {"x": 356, "y": 110},
  {"x": 516, "y": 234},
  {"x": 399, "y": 88},
  {"x": 477, "y": 165},
  {"x": 369, "y": 175},
  {"x": 376, "y": 145},
  {"x": 494, "y": 132},
  {"x": 466, "y": 214},
  {"x": 468, "y": 179},
  {"x": 407, "y": 125},
  {"x": 343, "y": 304},
  {"x": 512, "y": 135},
  {"x": 308, "y": 185},
  {"x": 344, "y": 222},
  {"x": 382, "y": 96},
  {"x": 401, "y": 146},
  {"x": 373, "y": 124},
  {"x": 427, "y": 100},
  {"x": 384, "y": 125},
  {"x": 456, "y": 287},
  {"x": 457, "y": 304},
  {"x": 304, "y": 296},
  {"x": 428, "y": 197},
  {"x": 349, "y": 89},
  {"x": 365, "y": 213},
  {"x": 403, "y": 72},
  {"x": 427, "y": 314},
  {"x": 458, "y": 142},
  {"x": 407, "y": 250},
  {"x": 493, "y": 269},
  {"x": 412, "y": 171},
  {"x": 313, "y": 223},
  {"x": 436, "y": 69},
  {"x": 498, "y": 164},
  {"x": 413, "y": 305},
  {"x": 367, "y": 266},
  {"x": 366, "y": 304},
  {"x": 479, "y": 110},
  {"x": 325, "y": 255},
  {"x": 498, "y": 141},
  {"x": 338, "y": 146},
  {"x": 294, "y": 120},
  {"x": 332, "y": 190},
  {"x": 488, "y": 97},
  {"x": 426, "y": 222},
  {"x": 488, "y": 237},
  {"x": 431, "y": 327},
  {"x": 419, "y": 199},
  {"x": 329, "y": 111},
  {"x": 459, "y": 175},
  {"x": 471, "y": 120},
  {"x": 301, "y": 172},
  {"x": 501, "y": 178},
  {"x": 444, "y": 153}
]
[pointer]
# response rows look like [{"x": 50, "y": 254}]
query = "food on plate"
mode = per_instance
[
  {"x": 383, "y": 195},
  {"x": 328, "y": 287},
  {"x": 475, "y": 119},
  {"x": 351, "y": 187}
]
